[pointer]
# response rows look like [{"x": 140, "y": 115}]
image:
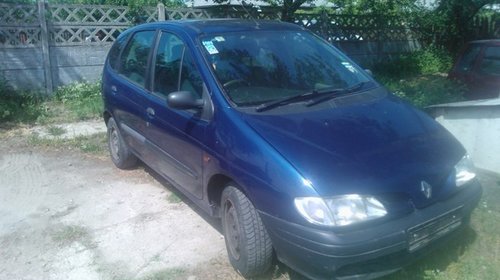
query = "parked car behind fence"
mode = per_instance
[{"x": 478, "y": 66}]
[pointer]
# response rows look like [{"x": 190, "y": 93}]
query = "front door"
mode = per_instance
[{"x": 176, "y": 136}]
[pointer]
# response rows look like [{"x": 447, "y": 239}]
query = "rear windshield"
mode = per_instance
[{"x": 262, "y": 66}]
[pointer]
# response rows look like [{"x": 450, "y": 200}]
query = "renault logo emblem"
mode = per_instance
[{"x": 426, "y": 189}]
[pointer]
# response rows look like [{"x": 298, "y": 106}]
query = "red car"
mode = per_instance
[{"x": 478, "y": 66}]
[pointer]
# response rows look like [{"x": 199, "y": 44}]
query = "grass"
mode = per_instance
[
  {"x": 79, "y": 101},
  {"x": 94, "y": 144},
  {"x": 55, "y": 130},
  {"x": 173, "y": 198},
  {"x": 83, "y": 100}
]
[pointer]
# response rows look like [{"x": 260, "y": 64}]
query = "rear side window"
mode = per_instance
[
  {"x": 134, "y": 59},
  {"x": 115, "y": 50},
  {"x": 490, "y": 65},
  {"x": 466, "y": 63}
]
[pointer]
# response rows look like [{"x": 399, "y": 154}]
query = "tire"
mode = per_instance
[
  {"x": 120, "y": 153},
  {"x": 248, "y": 244}
]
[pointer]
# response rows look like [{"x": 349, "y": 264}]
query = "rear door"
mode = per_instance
[
  {"x": 127, "y": 88},
  {"x": 176, "y": 136}
]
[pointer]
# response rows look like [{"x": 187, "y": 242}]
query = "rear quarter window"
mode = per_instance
[
  {"x": 134, "y": 58},
  {"x": 115, "y": 51}
]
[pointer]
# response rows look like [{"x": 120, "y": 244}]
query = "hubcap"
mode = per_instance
[
  {"x": 114, "y": 144},
  {"x": 231, "y": 225}
]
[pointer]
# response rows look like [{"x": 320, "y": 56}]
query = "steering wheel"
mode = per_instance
[{"x": 234, "y": 82}]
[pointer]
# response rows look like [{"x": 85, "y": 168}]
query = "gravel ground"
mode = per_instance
[{"x": 68, "y": 215}]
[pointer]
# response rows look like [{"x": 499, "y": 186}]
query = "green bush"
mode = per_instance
[
  {"x": 419, "y": 77},
  {"x": 428, "y": 61},
  {"x": 19, "y": 106},
  {"x": 427, "y": 90},
  {"x": 82, "y": 99}
]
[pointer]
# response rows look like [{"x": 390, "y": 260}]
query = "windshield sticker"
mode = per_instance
[
  {"x": 219, "y": 39},
  {"x": 349, "y": 66},
  {"x": 209, "y": 46}
]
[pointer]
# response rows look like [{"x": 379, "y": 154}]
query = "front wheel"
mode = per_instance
[{"x": 247, "y": 242}]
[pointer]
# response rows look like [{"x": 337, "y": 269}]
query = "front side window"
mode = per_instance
[
  {"x": 174, "y": 68},
  {"x": 262, "y": 66},
  {"x": 490, "y": 65},
  {"x": 134, "y": 59}
]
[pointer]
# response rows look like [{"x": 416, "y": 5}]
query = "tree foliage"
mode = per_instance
[
  {"x": 379, "y": 7},
  {"x": 453, "y": 20},
  {"x": 135, "y": 4}
]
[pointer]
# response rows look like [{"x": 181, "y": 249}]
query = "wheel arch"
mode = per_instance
[
  {"x": 106, "y": 115},
  {"x": 215, "y": 187}
]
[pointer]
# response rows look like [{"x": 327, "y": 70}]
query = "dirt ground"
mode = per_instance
[{"x": 68, "y": 215}]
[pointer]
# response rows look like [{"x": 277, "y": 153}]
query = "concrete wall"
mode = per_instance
[
  {"x": 476, "y": 124},
  {"x": 71, "y": 64},
  {"x": 23, "y": 67}
]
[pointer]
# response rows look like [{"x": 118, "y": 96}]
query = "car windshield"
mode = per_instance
[{"x": 259, "y": 67}]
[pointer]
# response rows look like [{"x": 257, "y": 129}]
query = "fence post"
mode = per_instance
[
  {"x": 161, "y": 12},
  {"x": 47, "y": 67}
]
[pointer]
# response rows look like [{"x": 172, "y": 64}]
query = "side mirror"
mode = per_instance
[
  {"x": 369, "y": 72},
  {"x": 184, "y": 100}
]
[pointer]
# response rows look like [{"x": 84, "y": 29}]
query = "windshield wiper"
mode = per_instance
[
  {"x": 325, "y": 93},
  {"x": 284, "y": 101},
  {"x": 333, "y": 93}
]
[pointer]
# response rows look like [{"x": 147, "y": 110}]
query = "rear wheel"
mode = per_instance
[
  {"x": 121, "y": 155},
  {"x": 248, "y": 244}
]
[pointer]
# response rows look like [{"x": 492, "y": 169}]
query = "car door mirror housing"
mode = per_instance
[{"x": 184, "y": 100}]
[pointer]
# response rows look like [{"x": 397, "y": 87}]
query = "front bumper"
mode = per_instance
[{"x": 365, "y": 253}]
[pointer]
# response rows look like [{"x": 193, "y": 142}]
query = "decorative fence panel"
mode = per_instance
[
  {"x": 365, "y": 38},
  {"x": 78, "y": 24},
  {"x": 70, "y": 42}
]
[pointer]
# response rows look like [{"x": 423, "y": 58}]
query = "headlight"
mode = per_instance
[
  {"x": 464, "y": 171},
  {"x": 340, "y": 210}
]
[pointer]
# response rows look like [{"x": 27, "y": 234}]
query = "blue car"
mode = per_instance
[{"x": 300, "y": 153}]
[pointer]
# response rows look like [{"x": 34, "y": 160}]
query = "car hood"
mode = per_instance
[{"x": 378, "y": 147}]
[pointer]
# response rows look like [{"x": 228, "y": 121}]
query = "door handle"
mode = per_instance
[
  {"x": 114, "y": 90},
  {"x": 150, "y": 112}
]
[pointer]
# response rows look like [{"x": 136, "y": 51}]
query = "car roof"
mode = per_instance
[
  {"x": 486, "y": 42},
  {"x": 211, "y": 26}
]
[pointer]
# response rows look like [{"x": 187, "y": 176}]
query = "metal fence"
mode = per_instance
[{"x": 43, "y": 46}]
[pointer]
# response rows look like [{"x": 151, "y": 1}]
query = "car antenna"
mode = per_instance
[{"x": 248, "y": 13}]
